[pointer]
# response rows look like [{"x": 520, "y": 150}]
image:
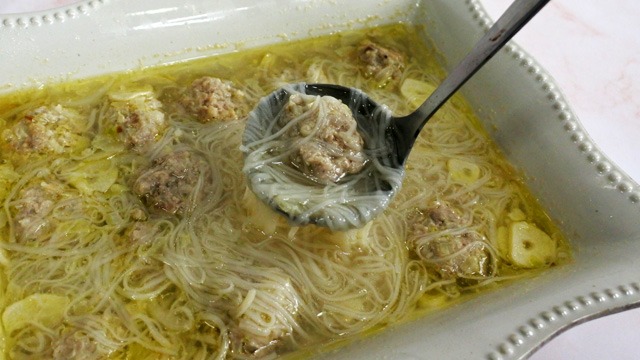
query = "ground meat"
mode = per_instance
[
  {"x": 75, "y": 346},
  {"x": 332, "y": 146},
  {"x": 47, "y": 129},
  {"x": 141, "y": 233},
  {"x": 175, "y": 182},
  {"x": 139, "y": 120},
  {"x": 381, "y": 63},
  {"x": 457, "y": 256},
  {"x": 34, "y": 204},
  {"x": 443, "y": 216},
  {"x": 269, "y": 317},
  {"x": 442, "y": 240},
  {"x": 210, "y": 99}
]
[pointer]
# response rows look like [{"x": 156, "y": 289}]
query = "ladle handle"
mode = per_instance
[{"x": 513, "y": 19}]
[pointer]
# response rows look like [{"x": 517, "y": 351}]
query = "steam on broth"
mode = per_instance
[{"x": 128, "y": 231}]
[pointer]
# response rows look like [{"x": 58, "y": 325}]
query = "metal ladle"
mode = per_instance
[{"x": 388, "y": 138}]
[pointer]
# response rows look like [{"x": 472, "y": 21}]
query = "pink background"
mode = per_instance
[{"x": 592, "y": 49}]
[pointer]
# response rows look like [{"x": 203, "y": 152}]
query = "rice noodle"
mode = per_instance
[{"x": 208, "y": 283}]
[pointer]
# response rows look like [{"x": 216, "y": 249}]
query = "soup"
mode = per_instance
[{"x": 128, "y": 231}]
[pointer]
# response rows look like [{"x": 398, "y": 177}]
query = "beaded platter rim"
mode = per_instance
[
  {"x": 604, "y": 167},
  {"x": 51, "y": 16},
  {"x": 547, "y": 324},
  {"x": 526, "y": 337}
]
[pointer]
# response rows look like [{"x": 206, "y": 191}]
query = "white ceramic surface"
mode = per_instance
[{"x": 603, "y": 201}]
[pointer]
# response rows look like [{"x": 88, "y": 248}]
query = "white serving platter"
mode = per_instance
[{"x": 594, "y": 202}]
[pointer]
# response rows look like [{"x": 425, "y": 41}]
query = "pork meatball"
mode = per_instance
[
  {"x": 141, "y": 233},
  {"x": 76, "y": 345},
  {"x": 175, "y": 182},
  {"x": 34, "y": 204},
  {"x": 138, "y": 119},
  {"x": 266, "y": 316},
  {"x": 329, "y": 144},
  {"x": 442, "y": 216},
  {"x": 48, "y": 129},
  {"x": 382, "y": 64},
  {"x": 444, "y": 241},
  {"x": 212, "y": 99}
]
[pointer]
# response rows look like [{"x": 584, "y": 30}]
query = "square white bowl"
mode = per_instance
[{"x": 593, "y": 201}]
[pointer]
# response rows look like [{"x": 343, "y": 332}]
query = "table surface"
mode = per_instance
[{"x": 592, "y": 50}]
